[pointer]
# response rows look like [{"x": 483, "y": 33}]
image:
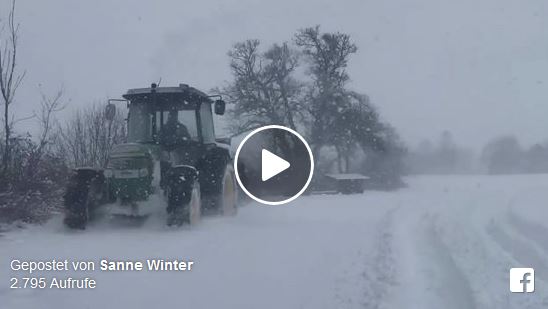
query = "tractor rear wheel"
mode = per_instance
[
  {"x": 183, "y": 209},
  {"x": 84, "y": 192},
  {"x": 224, "y": 200}
]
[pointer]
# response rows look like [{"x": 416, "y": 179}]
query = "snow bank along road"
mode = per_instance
[{"x": 443, "y": 242}]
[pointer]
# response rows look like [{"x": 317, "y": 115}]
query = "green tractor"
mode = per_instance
[{"x": 171, "y": 151}]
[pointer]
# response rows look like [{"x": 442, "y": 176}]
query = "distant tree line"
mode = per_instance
[
  {"x": 505, "y": 155},
  {"x": 441, "y": 157},
  {"x": 501, "y": 155},
  {"x": 304, "y": 85}
]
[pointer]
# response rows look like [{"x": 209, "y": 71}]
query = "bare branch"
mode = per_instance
[
  {"x": 14, "y": 121},
  {"x": 10, "y": 79}
]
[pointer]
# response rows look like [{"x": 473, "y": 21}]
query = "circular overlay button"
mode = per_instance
[{"x": 273, "y": 165}]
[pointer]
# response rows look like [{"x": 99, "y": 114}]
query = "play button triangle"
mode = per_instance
[{"x": 271, "y": 165}]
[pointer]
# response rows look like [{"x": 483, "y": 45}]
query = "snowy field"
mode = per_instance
[{"x": 443, "y": 242}]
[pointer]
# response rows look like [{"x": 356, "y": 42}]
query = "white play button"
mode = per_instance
[{"x": 271, "y": 165}]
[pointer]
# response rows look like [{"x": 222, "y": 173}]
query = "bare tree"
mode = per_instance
[
  {"x": 341, "y": 118},
  {"x": 33, "y": 160},
  {"x": 10, "y": 79},
  {"x": 49, "y": 106},
  {"x": 328, "y": 55},
  {"x": 264, "y": 90},
  {"x": 88, "y": 137}
]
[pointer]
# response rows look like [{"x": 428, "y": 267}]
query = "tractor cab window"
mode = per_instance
[
  {"x": 144, "y": 124},
  {"x": 187, "y": 118},
  {"x": 174, "y": 125},
  {"x": 206, "y": 118},
  {"x": 139, "y": 124}
]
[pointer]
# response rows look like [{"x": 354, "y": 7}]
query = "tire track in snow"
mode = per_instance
[
  {"x": 531, "y": 230},
  {"x": 520, "y": 249},
  {"x": 516, "y": 251},
  {"x": 368, "y": 278},
  {"x": 445, "y": 282},
  {"x": 485, "y": 250},
  {"x": 412, "y": 267},
  {"x": 380, "y": 273}
]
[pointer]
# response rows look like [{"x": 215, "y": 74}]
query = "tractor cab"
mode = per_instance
[{"x": 171, "y": 116}]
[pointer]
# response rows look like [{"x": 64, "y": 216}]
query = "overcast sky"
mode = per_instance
[{"x": 478, "y": 68}]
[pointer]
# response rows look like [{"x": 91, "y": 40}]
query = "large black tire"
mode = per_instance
[
  {"x": 184, "y": 204},
  {"x": 84, "y": 193},
  {"x": 225, "y": 200}
]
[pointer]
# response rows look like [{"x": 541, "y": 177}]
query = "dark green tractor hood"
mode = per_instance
[
  {"x": 131, "y": 156},
  {"x": 133, "y": 150},
  {"x": 129, "y": 171}
]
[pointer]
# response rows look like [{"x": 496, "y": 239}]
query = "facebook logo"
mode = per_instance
[{"x": 522, "y": 280}]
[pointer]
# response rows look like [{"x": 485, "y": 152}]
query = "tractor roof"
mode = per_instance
[{"x": 184, "y": 91}]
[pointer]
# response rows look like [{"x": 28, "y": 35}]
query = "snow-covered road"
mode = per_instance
[{"x": 443, "y": 242}]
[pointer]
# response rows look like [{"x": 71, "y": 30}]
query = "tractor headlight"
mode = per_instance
[
  {"x": 143, "y": 172},
  {"x": 108, "y": 173}
]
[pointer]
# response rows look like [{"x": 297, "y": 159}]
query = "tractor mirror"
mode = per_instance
[
  {"x": 110, "y": 111},
  {"x": 220, "y": 107}
]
